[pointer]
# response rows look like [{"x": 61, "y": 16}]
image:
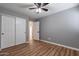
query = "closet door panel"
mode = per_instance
[
  {"x": 7, "y": 31},
  {"x": 20, "y": 30}
]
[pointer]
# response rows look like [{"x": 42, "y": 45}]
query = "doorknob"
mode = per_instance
[{"x": 2, "y": 33}]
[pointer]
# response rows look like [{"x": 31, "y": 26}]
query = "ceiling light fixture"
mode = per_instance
[
  {"x": 39, "y": 7},
  {"x": 38, "y": 10}
]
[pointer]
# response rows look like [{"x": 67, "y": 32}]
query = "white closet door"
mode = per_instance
[
  {"x": 20, "y": 31},
  {"x": 7, "y": 32}
]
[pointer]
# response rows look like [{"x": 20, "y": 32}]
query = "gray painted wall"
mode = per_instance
[
  {"x": 61, "y": 28},
  {"x": 12, "y": 13}
]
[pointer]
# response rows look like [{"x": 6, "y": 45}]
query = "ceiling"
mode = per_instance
[{"x": 53, "y": 8}]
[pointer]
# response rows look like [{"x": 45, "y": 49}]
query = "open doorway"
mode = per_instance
[
  {"x": 30, "y": 30},
  {"x": 33, "y": 30}
]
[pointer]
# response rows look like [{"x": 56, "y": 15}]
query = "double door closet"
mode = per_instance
[{"x": 13, "y": 31}]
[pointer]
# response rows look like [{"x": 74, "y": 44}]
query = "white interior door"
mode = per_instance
[
  {"x": 20, "y": 31},
  {"x": 36, "y": 30},
  {"x": 7, "y": 31}
]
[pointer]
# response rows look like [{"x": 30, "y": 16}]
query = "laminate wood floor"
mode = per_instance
[{"x": 38, "y": 48}]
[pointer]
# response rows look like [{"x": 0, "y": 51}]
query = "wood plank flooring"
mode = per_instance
[{"x": 38, "y": 48}]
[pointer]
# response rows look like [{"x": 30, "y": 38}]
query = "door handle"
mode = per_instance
[{"x": 2, "y": 33}]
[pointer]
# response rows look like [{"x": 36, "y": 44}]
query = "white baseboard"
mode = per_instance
[{"x": 61, "y": 45}]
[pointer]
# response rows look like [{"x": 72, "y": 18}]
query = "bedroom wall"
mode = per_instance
[{"x": 61, "y": 28}]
